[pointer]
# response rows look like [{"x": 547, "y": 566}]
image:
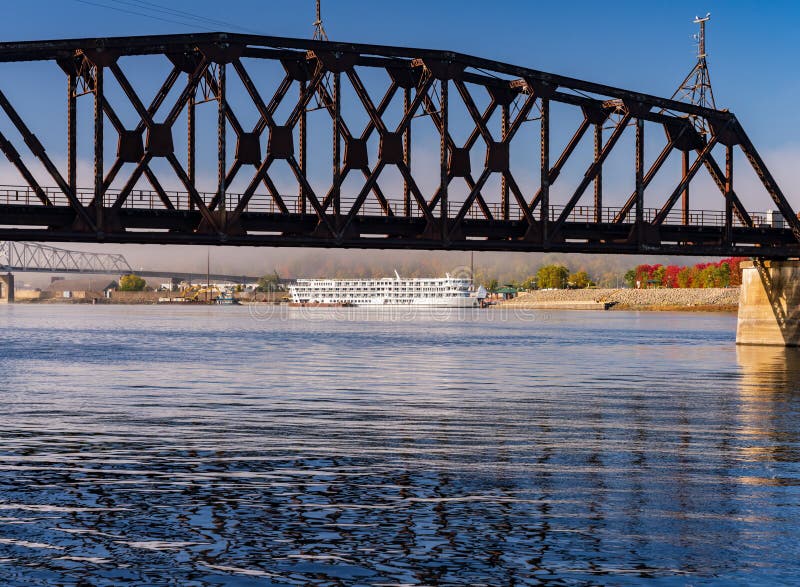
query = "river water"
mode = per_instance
[{"x": 201, "y": 446}]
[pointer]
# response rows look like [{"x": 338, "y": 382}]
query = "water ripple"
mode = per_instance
[{"x": 206, "y": 446}]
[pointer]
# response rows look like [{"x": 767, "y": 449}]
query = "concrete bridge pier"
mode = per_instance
[
  {"x": 769, "y": 306},
  {"x": 7, "y": 288}
]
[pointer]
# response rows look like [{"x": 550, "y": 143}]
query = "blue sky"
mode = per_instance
[{"x": 638, "y": 45}]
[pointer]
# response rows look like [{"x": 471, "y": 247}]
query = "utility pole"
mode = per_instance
[
  {"x": 208, "y": 272},
  {"x": 319, "y": 28},
  {"x": 472, "y": 268}
]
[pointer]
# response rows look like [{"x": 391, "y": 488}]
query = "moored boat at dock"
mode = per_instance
[{"x": 448, "y": 291}]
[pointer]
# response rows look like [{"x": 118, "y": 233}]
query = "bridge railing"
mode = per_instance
[{"x": 263, "y": 203}]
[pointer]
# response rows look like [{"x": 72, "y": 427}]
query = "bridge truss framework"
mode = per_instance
[
  {"x": 396, "y": 90},
  {"x": 34, "y": 257}
]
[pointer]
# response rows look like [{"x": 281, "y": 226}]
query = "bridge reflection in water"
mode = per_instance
[{"x": 770, "y": 395}]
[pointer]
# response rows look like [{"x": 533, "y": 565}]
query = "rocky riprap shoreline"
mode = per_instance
[{"x": 711, "y": 299}]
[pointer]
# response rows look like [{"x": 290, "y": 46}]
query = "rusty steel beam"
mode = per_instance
[
  {"x": 598, "y": 180},
  {"x": 685, "y": 164},
  {"x": 594, "y": 169},
  {"x": 728, "y": 233},
  {"x": 72, "y": 129},
  {"x": 221, "y": 130},
  {"x": 665, "y": 210},
  {"x": 98, "y": 148},
  {"x": 639, "y": 177},
  {"x": 543, "y": 195}
]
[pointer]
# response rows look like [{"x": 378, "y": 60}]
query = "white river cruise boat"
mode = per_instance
[{"x": 451, "y": 292}]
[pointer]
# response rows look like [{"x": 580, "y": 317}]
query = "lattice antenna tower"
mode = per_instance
[
  {"x": 319, "y": 28},
  {"x": 321, "y": 101},
  {"x": 696, "y": 88}
]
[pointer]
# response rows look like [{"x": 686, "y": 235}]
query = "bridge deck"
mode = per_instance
[{"x": 144, "y": 219}]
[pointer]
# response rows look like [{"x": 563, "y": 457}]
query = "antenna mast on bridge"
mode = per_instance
[
  {"x": 319, "y": 28},
  {"x": 696, "y": 88}
]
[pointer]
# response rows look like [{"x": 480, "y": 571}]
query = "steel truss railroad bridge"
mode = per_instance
[
  {"x": 20, "y": 257},
  {"x": 376, "y": 99}
]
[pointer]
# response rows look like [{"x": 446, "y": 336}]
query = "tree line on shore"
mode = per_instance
[
  {"x": 725, "y": 273},
  {"x": 554, "y": 276}
]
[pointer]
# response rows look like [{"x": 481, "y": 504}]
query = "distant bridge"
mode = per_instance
[
  {"x": 432, "y": 96},
  {"x": 36, "y": 258}
]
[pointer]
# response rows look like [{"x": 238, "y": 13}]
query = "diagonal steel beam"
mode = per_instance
[
  {"x": 173, "y": 114},
  {"x": 312, "y": 198},
  {"x": 467, "y": 205},
  {"x": 676, "y": 194},
  {"x": 362, "y": 196},
  {"x": 767, "y": 179},
  {"x": 375, "y": 114},
  {"x": 38, "y": 150},
  {"x": 430, "y": 108},
  {"x": 555, "y": 170},
  {"x": 155, "y": 104},
  {"x": 591, "y": 172},
  {"x": 14, "y": 158},
  {"x": 719, "y": 179},
  {"x": 651, "y": 173}
]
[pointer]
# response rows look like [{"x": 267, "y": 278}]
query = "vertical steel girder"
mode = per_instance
[
  {"x": 191, "y": 148},
  {"x": 72, "y": 141},
  {"x": 598, "y": 180},
  {"x": 303, "y": 148},
  {"x": 424, "y": 79},
  {"x": 728, "y": 232},
  {"x": 221, "y": 130},
  {"x": 98, "y": 147},
  {"x": 337, "y": 143},
  {"x": 639, "y": 176},
  {"x": 543, "y": 195},
  {"x": 443, "y": 180},
  {"x": 685, "y": 195},
  {"x": 406, "y": 153}
]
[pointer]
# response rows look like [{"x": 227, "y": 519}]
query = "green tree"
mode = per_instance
[
  {"x": 552, "y": 277},
  {"x": 529, "y": 283},
  {"x": 630, "y": 278},
  {"x": 725, "y": 274},
  {"x": 580, "y": 280},
  {"x": 685, "y": 277},
  {"x": 713, "y": 276},
  {"x": 492, "y": 285},
  {"x": 269, "y": 283},
  {"x": 132, "y": 282},
  {"x": 658, "y": 276}
]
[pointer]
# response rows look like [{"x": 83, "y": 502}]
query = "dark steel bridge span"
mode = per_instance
[{"x": 477, "y": 151}]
